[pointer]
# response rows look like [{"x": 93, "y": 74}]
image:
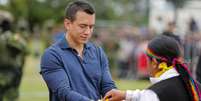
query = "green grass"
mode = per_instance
[
  {"x": 33, "y": 88},
  {"x": 132, "y": 84}
]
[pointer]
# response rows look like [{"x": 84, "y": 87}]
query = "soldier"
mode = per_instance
[{"x": 12, "y": 52}]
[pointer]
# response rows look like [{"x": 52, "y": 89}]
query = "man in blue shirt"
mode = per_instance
[{"x": 73, "y": 68}]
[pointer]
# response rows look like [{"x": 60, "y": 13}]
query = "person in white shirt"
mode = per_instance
[{"x": 170, "y": 77}]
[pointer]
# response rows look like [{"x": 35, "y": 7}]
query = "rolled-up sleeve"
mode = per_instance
[
  {"x": 107, "y": 83},
  {"x": 57, "y": 79}
]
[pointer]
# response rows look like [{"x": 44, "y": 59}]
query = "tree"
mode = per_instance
[
  {"x": 121, "y": 10},
  {"x": 36, "y": 12}
]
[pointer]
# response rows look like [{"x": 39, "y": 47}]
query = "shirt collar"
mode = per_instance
[
  {"x": 64, "y": 44},
  {"x": 168, "y": 74}
]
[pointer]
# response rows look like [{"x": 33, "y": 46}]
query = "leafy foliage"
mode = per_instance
[{"x": 36, "y": 12}]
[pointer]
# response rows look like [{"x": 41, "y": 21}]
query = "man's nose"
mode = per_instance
[{"x": 88, "y": 30}]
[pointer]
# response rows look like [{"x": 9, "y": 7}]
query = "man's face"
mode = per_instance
[{"x": 80, "y": 30}]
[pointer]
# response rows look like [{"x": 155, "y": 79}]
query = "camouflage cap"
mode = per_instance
[{"x": 5, "y": 15}]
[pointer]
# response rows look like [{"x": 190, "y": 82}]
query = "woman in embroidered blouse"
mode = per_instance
[{"x": 169, "y": 75}]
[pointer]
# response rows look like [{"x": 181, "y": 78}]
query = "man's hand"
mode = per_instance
[{"x": 115, "y": 95}]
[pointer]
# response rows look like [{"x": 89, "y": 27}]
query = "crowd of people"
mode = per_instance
[{"x": 125, "y": 48}]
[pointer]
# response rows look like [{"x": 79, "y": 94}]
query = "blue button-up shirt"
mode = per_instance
[{"x": 71, "y": 78}]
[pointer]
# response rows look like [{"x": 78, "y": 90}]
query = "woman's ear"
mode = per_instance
[
  {"x": 154, "y": 62},
  {"x": 153, "y": 67}
]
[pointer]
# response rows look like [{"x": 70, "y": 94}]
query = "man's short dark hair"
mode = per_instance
[{"x": 76, "y": 6}]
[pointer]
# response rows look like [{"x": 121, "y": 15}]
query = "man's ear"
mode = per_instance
[{"x": 67, "y": 23}]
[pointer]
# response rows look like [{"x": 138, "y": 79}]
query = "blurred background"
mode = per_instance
[{"x": 123, "y": 28}]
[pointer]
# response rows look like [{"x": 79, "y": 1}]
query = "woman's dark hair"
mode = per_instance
[
  {"x": 167, "y": 49},
  {"x": 76, "y": 6}
]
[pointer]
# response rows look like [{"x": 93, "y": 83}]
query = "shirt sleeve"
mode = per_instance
[
  {"x": 107, "y": 83},
  {"x": 56, "y": 78},
  {"x": 144, "y": 95}
]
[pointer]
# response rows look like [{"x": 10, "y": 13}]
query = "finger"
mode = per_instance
[
  {"x": 111, "y": 99},
  {"x": 106, "y": 99},
  {"x": 108, "y": 95}
]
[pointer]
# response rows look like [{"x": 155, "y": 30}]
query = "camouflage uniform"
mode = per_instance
[{"x": 12, "y": 52}]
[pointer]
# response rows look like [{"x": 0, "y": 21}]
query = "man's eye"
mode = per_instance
[
  {"x": 91, "y": 27},
  {"x": 83, "y": 26}
]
